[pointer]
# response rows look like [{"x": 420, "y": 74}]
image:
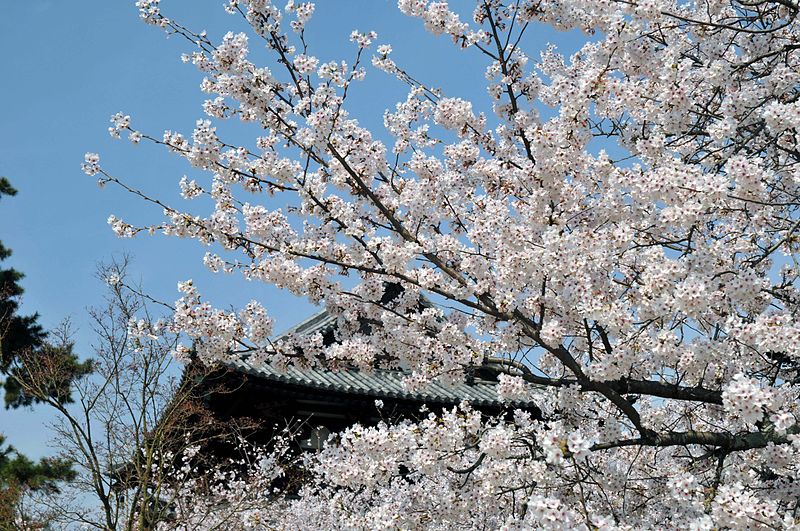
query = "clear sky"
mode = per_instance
[{"x": 68, "y": 66}]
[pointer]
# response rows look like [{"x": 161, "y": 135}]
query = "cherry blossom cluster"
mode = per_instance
[
  {"x": 618, "y": 237},
  {"x": 236, "y": 494}
]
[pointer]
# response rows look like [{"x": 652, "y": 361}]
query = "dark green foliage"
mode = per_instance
[
  {"x": 22, "y": 335},
  {"x": 6, "y": 188},
  {"x": 19, "y": 474},
  {"x": 18, "y": 470},
  {"x": 23, "y": 338}
]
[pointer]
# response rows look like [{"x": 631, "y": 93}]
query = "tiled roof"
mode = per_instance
[
  {"x": 378, "y": 383},
  {"x": 319, "y": 322}
]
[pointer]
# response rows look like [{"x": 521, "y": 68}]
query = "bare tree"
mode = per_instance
[{"x": 131, "y": 419}]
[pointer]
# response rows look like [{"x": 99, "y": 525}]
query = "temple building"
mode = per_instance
[{"x": 317, "y": 402}]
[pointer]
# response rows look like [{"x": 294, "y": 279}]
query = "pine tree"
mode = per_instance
[
  {"x": 23, "y": 335},
  {"x": 19, "y": 473}
]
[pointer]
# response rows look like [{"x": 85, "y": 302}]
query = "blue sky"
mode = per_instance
[{"x": 68, "y": 66}]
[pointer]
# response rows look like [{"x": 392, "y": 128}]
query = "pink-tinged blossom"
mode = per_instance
[
  {"x": 120, "y": 228},
  {"x": 303, "y": 11},
  {"x": 189, "y": 188},
  {"x": 454, "y": 113},
  {"x": 743, "y": 397},
  {"x": 363, "y": 40},
  {"x": 512, "y": 387},
  {"x": 119, "y": 122},
  {"x": 150, "y": 12},
  {"x": 579, "y": 445},
  {"x": 551, "y": 514},
  {"x": 305, "y": 64},
  {"x": 91, "y": 164}
]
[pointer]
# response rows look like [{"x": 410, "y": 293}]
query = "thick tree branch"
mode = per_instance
[{"x": 726, "y": 441}]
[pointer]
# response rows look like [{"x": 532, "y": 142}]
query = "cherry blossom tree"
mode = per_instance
[{"x": 619, "y": 235}]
